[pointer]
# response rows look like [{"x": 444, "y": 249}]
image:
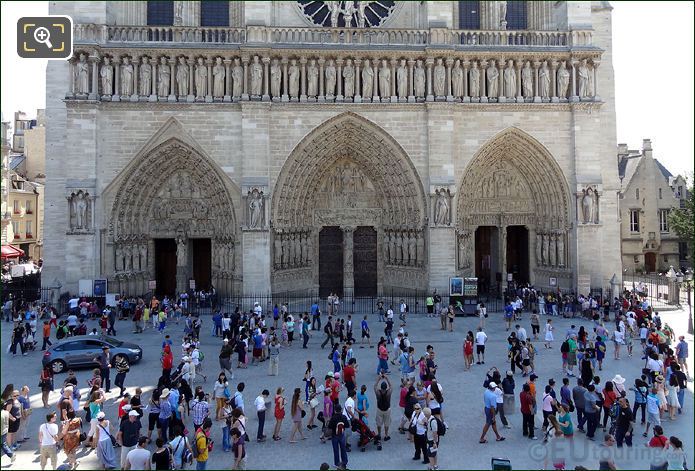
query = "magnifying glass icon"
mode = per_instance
[{"x": 43, "y": 36}]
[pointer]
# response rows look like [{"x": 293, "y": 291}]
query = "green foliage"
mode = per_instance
[{"x": 681, "y": 220}]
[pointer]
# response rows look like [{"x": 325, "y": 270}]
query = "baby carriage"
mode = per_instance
[{"x": 366, "y": 435}]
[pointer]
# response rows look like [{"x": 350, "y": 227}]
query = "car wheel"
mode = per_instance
[
  {"x": 117, "y": 359},
  {"x": 58, "y": 366}
]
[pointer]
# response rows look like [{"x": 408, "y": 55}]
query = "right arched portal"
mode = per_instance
[{"x": 513, "y": 214}]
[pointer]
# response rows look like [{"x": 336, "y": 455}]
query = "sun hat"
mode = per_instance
[
  {"x": 618, "y": 379},
  {"x": 133, "y": 413}
]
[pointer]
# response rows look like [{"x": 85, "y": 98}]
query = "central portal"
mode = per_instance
[
  {"x": 517, "y": 253},
  {"x": 330, "y": 261},
  {"x": 165, "y": 266},
  {"x": 202, "y": 262},
  {"x": 365, "y": 258}
]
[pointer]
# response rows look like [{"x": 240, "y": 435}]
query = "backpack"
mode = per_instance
[
  {"x": 196, "y": 452},
  {"x": 406, "y": 307},
  {"x": 325, "y": 329},
  {"x": 201, "y": 355},
  {"x": 441, "y": 428},
  {"x": 60, "y": 334},
  {"x": 565, "y": 347}
]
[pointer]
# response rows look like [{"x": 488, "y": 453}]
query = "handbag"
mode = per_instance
[
  {"x": 113, "y": 440},
  {"x": 313, "y": 403},
  {"x": 303, "y": 413},
  {"x": 83, "y": 436}
]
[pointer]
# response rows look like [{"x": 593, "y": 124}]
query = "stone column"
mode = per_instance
[
  {"x": 465, "y": 99},
  {"x": 266, "y": 79},
  {"x": 117, "y": 79},
  {"x": 348, "y": 266},
  {"x": 553, "y": 81},
  {"x": 596, "y": 63},
  {"x": 502, "y": 230},
  {"x": 358, "y": 83},
  {"x": 227, "y": 80},
  {"x": 191, "y": 81},
  {"x": 94, "y": 95},
  {"x": 574, "y": 92},
  {"x": 483, "y": 81},
  {"x": 394, "y": 69},
  {"x": 532, "y": 262},
  {"x": 182, "y": 266},
  {"x": 302, "y": 80},
  {"x": 172, "y": 79},
  {"x": 536, "y": 94},
  {"x": 501, "y": 98},
  {"x": 208, "y": 64},
  {"x": 321, "y": 98},
  {"x": 339, "y": 80},
  {"x": 285, "y": 89},
  {"x": 449, "y": 63},
  {"x": 71, "y": 79},
  {"x": 375, "y": 84},
  {"x": 429, "y": 62},
  {"x": 136, "y": 80},
  {"x": 245, "y": 80},
  {"x": 411, "y": 77},
  {"x": 519, "y": 92},
  {"x": 153, "y": 95}
]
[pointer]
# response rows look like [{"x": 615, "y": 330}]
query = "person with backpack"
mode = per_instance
[
  {"x": 328, "y": 330},
  {"x": 435, "y": 429},
  {"x": 338, "y": 424},
  {"x": 203, "y": 444}
]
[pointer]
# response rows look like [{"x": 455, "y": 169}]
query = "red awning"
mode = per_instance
[{"x": 10, "y": 251}]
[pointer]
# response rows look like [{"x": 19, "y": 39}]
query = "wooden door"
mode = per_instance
[{"x": 330, "y": 261}]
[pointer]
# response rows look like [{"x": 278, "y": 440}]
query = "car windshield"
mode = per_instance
[{"x": 112, "y": 341}]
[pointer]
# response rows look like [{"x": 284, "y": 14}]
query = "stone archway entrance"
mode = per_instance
[
  {"x": 348, "y": 174},
  {"x": 514, "y": 211},
  {"x": 172, "y": 220}
]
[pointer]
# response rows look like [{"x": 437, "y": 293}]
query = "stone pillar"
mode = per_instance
[
  {"x": 411, "y": 77},
  {"x": 182, "y": 265},
  {"x": 136, "y": 80},
  {"x": 519, "y": 92},
  {"x": 266, "y": 79},
  {"x": 553, "y": 81},
  {"x": 503, "y": 255},
  {"x": 465, "y": 98},
  {"x": 532, "y": 262},
  {"x": 117, "y": 79},
  {"x": 358, "y": 83},
  {"x": 449, "y": 63},
  {"x": 375, "y": 85},
  {"x": 172, "y": 79},
  {"x": 285, "y": 88},
  {"x": 71, "y": 79},
  {"x": 596, "y": 63},
  {"x": 153, "y": 95},
  {"x": 536, "y": 93},
  {"x": 208, "y": 64},
  {"x": 394, "y": 92},
  {"x": 94, "y": 95},
  {"x": 574, "y": 92},
  {"x": 191, "y": 81},
  {"x": 348, "y": 266},
  {"x": 483, "y": 81},
  {"x": 227, "y": 80},
  {"x": 302, "y": 80},
  {"x": 339, "y": 80},
  {"x": 502, "y": 64},
  {"x": 321, "y": 98},
  {"x": 429, "y": 62},
  {"x": 245, "y": 80}
]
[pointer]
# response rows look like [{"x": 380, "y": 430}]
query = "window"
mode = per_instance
[
  {"x": 680, "y": 194},
  {"x": 516, "y": 15},
  {"x": 663, "y": 220},
  {"x": 214, "y": 13},
  {"x": 160, "y": 13},
  {"x": 665, "y": 258},
  {"x": 15, "y": 207},
  {"x": 16, "y": 227},
  {"x": 683, "y": 250},
  {"x": 469, "y": 15},
  {"x": 660, "y": 195},
  {"x": 634, "y": 220},
  {"x": 635, "y": 259},
  {"x": 636, "y": 193},
  {"x": 29, "y": 228},
  {"x": 28, "y": 207}
]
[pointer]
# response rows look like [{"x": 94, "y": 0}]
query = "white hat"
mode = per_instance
[
  {"x": 330, "y": 373},
  {"x": 226, "y": 340},
  {"x": 618, "y": 379},
  {"x": 101, "y": 415},
  {"x": 186, "y": 358},
  {"x": 492, "y": 385},
  {"x": 68, "y": 388},
  {"x": 133, "y": 413},
  {"x": 127, "y": 407},
  {"x": 165, "y": 393}
]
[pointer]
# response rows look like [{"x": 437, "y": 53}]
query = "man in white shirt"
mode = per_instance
[
  {"x": 139, "y": 458},
  {"x": 349, "y": 413},
  {"x": 403, "y": 308},
  {"x": 521, "y": 333},
  {"x": 257, "y": 309},
  {"x": 72, "y": 304},
  {"x": 48, "y": 435},
  {"x": 261, "y": 407},
  {"x": 480, "y": 339},
  {"x": 389, "y": 313}
]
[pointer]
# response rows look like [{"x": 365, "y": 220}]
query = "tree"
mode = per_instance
[{"x": 681, "y": 220}]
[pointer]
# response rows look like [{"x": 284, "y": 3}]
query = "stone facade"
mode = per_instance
[
  {"x": 406, "y": 128},
  {"x": 648, "y": 192}
]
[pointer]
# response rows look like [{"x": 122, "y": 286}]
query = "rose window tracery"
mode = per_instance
[{"x": 347, "y": 13}]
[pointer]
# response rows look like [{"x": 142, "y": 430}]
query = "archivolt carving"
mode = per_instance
[
  {"x": 513, "y": 179},
  {"x": 345, "y": 157}
]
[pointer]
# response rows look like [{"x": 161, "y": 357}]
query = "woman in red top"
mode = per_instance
[
  {"x": 609, "y": 398},
  {"x": 167, "y": 362},
  {"x": 280, "y": 402},
  {"x": 468, "y": 350},
  {"x": 383, "y": 355}
]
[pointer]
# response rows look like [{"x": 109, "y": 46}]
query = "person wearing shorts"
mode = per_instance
[{"x": 480, "y": 339}]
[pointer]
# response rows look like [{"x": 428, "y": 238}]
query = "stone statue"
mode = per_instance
[
  {"x": 419, "y": 79},
  {"x": 309, "y": 247},
  {"x": 439, "y": 79},
  {"x": 349, "y": 79},
  {"x": 420, "y": 249},
  {"x": 333, "y": 11},
  {"x": 464, "y": 249},
  {"x": 106, "y": 74},
  {"x": 255, "y": 209},
  {"x": 539, "y": 250},
  {"x": 298, "y": 249},
  {"x": 218, "y": 74},
  {"x": 361, "y": 17},
  {"x": 510, "y": 80},
  {"x": 293, "y": 73},
  {"x": 474, "y": 80},
  {"x": 457, "y": 79},
  {"x": 275, "y": 78},
  {"x": 412, "y": 248},
  {"x": 126, "y": 77},
  {"x": 392, "y": 247},
  {"x": 181, "y": 249},
  {"x": 563, "y": 80},
  {"x": 145, "y": 77},
  {"x": 441, "y": 212},
  {"x": 285, "y": 251},
  {"x": 402, "y": 79},
  {"x": 367, "y": 79},
  {"x": 386, "y": 253},
  {"x": 348, "y": 13},
  {"x": 385, "y": 79},
  {"x": 237, "y": 79},
  {"x": 256, "y": 76},
  {"x": 143, "y": 257},
  {"x": 178, "y": 16},
  {"x": 584, "y": 76},
  {"x": 312, "y": 73},
  {"x": 588, "y": 206},
  {"x": 182, "y": 76},
  {"x": 128, "y": 252},
  {"x": 544, "y": 81},
  {"x": 560, "y": 249},
  {"x": 330, "y": 73},
  {"x": 201, "y": 79},
  {"x": 119, "y": 258},
  {"x": 82, "y": 76},
  {"x": 503, "y": 12},
  {"x": 493, "y": 76},
  {"x": 552, "y": 247},
  {"x": 399, "y": 249},
  {"x": 80, "y": 204},
  {"x": 164, "y": 78},
  {"x": 527, "y": 79},
  {"x": 305, "y": 248},
  {"x": 291, "y": 247},
  {"x": 546, "y": 250}
]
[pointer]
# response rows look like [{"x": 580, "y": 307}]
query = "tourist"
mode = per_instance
[
  {"x": 178, "y": 447},
  {"x": 549, "y": 334},
  {"x": 122, "y": 368},
  {"x": 48, "y": 439},
  {"x": 46, "y": 384},
  {"x": 382, "y": 391},
  {"x": 239, "y": 448},
  {"x": 624, "y": 424},
  {"x": 338, "y": 425},
  {"x": 128, "y": 435},
  {"x": 682, "y": 356},
  {"x": 71, "y": 440},
  {"x": 297, "y": 412},
  {"x": 480, "y": 339},
  {"x": 104, "y": 439},
  {"x": 161, "y": 457},
  {"x": 104, "y": 361},
  {"x": 591, "y": 411},
  {"x": 468, "y": 351},
  {"x": 203, "y": 443},
  {"x": 490, "y": 400},
  {"x": 280, "y": 403},
  {"x": 528, "y": 406}
]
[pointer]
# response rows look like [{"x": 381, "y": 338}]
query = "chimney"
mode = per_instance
[
  {"x": 647, "y": 147},
  {"x": 622, "y": 150}
]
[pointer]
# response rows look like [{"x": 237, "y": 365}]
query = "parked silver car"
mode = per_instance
[{"x": 80, "y": 351}]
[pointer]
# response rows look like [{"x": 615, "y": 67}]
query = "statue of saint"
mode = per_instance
[
  {"x": 439, "y": 78},
  {"x": 293, "y": 73},
  {"x": 164, "y": 78},
  {"x": 510, "y": 80},
  {"x": 385, "y": 79},
  {"x": 584, "y": 77},
  {"x": 544, "y": 81},
  {"x": 527, "y": 79},
  {"x": 255, "y": 209},
  {"x": 402, "y": 79},
  {"x": 182, "y": 76},
  {"x": 126, "y": 77},
  {"x": 563, "y": 80},
  {"x": 106, "y": 74},
  {"x": 457, "y": 79},
  {"x": 145, "y": 77},
  {"x": 441, "y": 213},
  {"x": 330, "y": 78},
  {"x": 82, "y": 76},
  {"x": 237, "y": 79},
  {"x": 201, "y": 78},
  {"x": 312, "y": 73},
  {"x": 474, "y": 80},
  {"x": 588, "y": 206},
  {"x": 419, "y": 79},
  {"x": 493, "y": 76},
  {"x": 367, "y": 79},
  {"x": 256, "y": 76},
  {"x": 275, "y": 78},
  {"x": 219, "y": 74}
]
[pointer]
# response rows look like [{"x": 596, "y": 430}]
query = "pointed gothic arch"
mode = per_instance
[{"x": 348, "y": 172}]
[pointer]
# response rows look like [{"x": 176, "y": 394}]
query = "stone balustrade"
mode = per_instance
[
  {"x": 147, "y": 74},
  {"x": 105, "y": 34}
]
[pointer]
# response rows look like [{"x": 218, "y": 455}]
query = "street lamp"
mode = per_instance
[{"x": 688, "y": 286}]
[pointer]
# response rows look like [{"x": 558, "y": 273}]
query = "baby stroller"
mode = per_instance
[{"x": 366, "y": 435}]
